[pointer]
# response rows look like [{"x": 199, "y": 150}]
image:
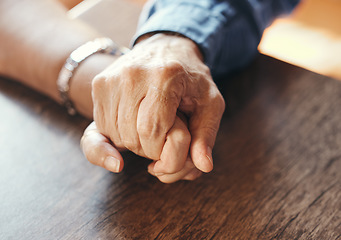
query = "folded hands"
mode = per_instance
[{"x": 160, "y": 102}]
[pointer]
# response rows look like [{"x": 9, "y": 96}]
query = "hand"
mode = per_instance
[
  {"x": 136, "y": 101},
  {"x": 99, "y": 151}
]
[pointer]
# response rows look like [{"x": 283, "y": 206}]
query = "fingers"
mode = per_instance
[
  {"x": 175, "y": 149},
  {"x": 105, "y": 109},
  {"x": 158, "y": 109},
  {"x": 175, "y": 163},
  {"x": 188, "y": 172},
  {"x": 204, "y": 125},
  {"x": 127, "y": 112},
  {"x": 99, "y": 151},
  {"x": 136, "y": 107},
  {"x": 136, "y": 102}
]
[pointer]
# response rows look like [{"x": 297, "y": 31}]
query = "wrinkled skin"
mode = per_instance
[{"x": 160, "y": 102}]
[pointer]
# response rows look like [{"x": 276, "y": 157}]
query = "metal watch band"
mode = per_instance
[{"x": 98, "y": 45}]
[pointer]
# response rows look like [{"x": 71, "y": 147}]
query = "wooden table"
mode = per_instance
[{"x": 277, "y": 169}]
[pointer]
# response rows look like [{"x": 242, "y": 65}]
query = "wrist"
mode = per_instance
[
  {"x": 172, "y": 40},
  {"x": 80, "y": 86},
  {"x": 72, "y": 63}
]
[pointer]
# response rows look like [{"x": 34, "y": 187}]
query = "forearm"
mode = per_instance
[{"x": 36, "y": 38}]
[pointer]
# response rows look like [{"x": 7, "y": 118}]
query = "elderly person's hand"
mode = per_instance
[
  {"x": 100, "y": 151},
  {"x": 137, "y": 101}
]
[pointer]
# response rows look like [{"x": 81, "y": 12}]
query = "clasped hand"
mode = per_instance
[{"x": 160, "y": 102}]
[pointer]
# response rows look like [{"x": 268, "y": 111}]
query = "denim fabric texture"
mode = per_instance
[{"x": 227, "y": 32}]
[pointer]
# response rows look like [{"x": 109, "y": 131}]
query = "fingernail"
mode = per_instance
[
  {"x": 112, "y": 164},
  {"x": 209, "y": 154}
]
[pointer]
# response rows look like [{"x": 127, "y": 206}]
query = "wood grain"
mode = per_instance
[{"x": 276, "y": 176}]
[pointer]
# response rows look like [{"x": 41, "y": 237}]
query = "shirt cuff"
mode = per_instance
[{"x": 190, "y": 20}]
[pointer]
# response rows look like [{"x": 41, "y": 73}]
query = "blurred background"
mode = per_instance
[{"x": 310, "y": 37}]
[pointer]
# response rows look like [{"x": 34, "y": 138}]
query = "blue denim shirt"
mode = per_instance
[{"x": 227, "y": 31}]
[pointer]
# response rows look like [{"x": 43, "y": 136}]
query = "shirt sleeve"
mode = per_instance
[{"x": 227, "y": 31}]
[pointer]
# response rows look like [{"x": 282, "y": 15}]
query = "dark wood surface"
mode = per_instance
[{"x": 277, "y": 169}]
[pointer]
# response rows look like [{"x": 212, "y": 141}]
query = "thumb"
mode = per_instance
[
  {"x": 204, "y": 125},
  {"x": 99, "y": 151}
]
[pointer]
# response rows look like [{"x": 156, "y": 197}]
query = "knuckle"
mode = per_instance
[
  {"x": 98, "y": 83},
  {"x": 206, "y": 70},
  {"x": 131, "y": 71},
  {"x": 128, "y": 70},
  {"x": 173, "y": 67},
  {"x": 129, "y": 84},
  {"x": 182, "y": 137},
  {"x": 170, "y": 81},
  {"x": 149, "y": 129},
  {"x": 221, "y": 102},
  {"x": 131, "y": 78},
  {"x": 144, "y": 131}
]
